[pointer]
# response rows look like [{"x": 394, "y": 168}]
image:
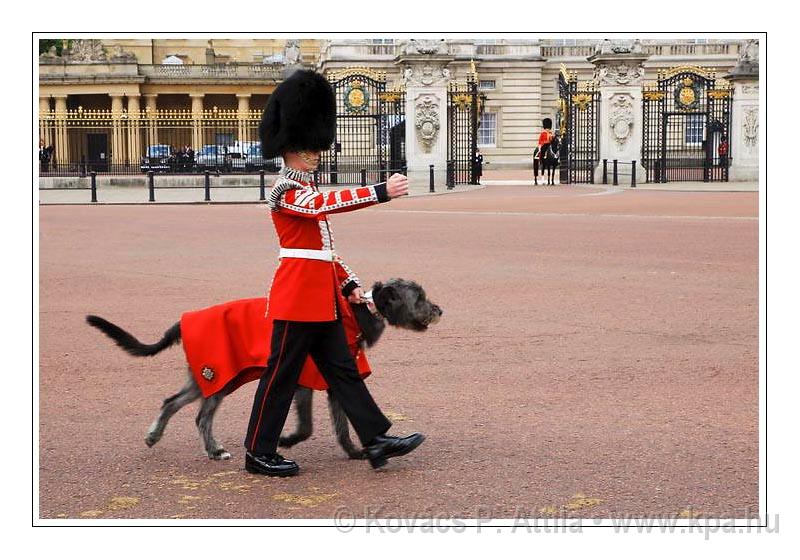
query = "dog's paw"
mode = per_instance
[
  {"x": 151, "y": 440},
  {"x": 219, "y": 455},
  {"x": 287, "y": 441}
]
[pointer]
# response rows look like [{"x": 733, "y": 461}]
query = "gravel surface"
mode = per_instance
[{"x": 598, "y": 357}]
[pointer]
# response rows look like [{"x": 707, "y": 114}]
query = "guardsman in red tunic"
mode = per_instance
[
  {"x": 312, "y": 286},
  {"x": 545, "y": 137}
]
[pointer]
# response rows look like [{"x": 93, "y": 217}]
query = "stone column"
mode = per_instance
[
  {"x": 618, "y": 74},
  {"x": 744, "y": 142},
  {"x": 62, "y": 149},
  {"x": 197, "y": 120},
  {"x": 151, "y": 114},
  {"x": 134, "y": 135},
  {"x": 45, "y": 117},
  {"x": 424, "y": 67},
  {"x": 243, "y": 114},
  {"x": 118, "y": 152}
]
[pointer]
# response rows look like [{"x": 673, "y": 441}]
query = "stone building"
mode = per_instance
[{"x": 517, "y": 77}]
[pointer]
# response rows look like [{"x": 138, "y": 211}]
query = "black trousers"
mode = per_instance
[{"x": 326, "y": 343}]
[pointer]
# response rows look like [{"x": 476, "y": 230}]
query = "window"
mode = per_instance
[
  {"x": 487, "y": 129},
  {"x": 487, "y": 84},
  {"x": 382, "y": 41},
  {"x": 695, "y": 125}
]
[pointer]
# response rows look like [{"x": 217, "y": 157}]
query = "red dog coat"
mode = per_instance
[{"x": 228, "y": 345}]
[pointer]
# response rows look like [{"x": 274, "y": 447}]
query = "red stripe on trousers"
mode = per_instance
[{"x": 271, "y": 379}]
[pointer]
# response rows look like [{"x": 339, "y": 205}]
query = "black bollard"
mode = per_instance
[
  {"x": 633, "y": 174},
  {"x": 94, "y": 186},
  {"x": 614, "y": 173},
  {"x": 363, "y": 177},
  {"x": 151, "y": 187},
  {"x": 605, "y": 171},
  {"x": 450, "y": 175},
  {"x": 430, "y": 171},
  {"x": 262, "y": 186},
  {"x": 208, "y": 187}
]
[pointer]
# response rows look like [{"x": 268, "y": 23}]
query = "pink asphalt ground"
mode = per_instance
[{"x": 598, "y": 357}]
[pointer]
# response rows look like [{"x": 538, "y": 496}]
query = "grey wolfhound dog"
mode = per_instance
[{"x": 400, "y": 303}]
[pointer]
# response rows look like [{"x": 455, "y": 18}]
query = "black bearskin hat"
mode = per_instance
[
  {"x": 547, "y": 123},
  {"x": 300, "y": 115}
]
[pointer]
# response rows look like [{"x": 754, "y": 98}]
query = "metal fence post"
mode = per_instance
[
  {"x": 94, "y": 186},
  {"x": 591, "y": 173},
  {"x": 605, "y": 171},
  {"x": 614, "y": 174},
  {"x": 261, "y": 186},
  {"x": 633, "y": 174},
  {"x": 430, "y": 171},
  {"x": 151, "y": 187},
  {"x": 363, "y": 177},
  {"x": 208, "y": 186}
]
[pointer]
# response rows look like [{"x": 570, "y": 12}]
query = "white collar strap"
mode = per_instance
[{"x": 296, "y": 174}]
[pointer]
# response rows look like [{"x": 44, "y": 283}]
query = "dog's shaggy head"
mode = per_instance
[{"x": 403, "y": 304}]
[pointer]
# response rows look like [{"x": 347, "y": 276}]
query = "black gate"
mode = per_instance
[
  {"x": 462, "y": 133},
  {"x": 370, "y": 129},
  {"x": 686, "y": 126},
  {"x": 577, "y": 124}
]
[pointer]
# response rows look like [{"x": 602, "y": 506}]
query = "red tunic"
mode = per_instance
[
  {"x": 545, "y": 137},
  {"x": 303, "y": 289},
  {"x": 228, "y": 345}
]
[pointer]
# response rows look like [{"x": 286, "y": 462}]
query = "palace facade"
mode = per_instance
[{"x": 192, "y": 81}]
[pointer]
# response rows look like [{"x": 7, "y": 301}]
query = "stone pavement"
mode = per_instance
[{"x": 521, "y": 177}]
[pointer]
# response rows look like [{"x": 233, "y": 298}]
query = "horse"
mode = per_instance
[{"x": 549, "y": 161}]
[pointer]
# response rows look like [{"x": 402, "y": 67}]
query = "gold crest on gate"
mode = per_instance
[
  {"x": 686, "y": 95},
  {"x": 356, "y": 98}
]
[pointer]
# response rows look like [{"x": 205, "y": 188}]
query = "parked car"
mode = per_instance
[
  {"x": 240, "y": 156},
  {"x": 158, "y": 158},
  {"x": 254, "y": 161},
  {"x": 212, "y": 156}
]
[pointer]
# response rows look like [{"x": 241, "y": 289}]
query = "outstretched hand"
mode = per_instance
[{"x": 397, "y": 186}]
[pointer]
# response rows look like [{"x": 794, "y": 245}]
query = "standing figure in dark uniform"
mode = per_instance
[
  {"x": 478, "y": 166},
  {"x": 312, "y": 286}
]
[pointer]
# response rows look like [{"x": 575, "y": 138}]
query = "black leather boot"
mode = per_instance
[
  {"x": 383, "y": 447},
  {"x": 270, "y": 465}
]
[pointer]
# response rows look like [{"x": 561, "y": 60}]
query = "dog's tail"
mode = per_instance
[{"x": 130, "y": 343}]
